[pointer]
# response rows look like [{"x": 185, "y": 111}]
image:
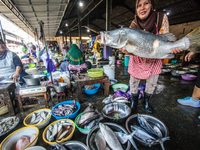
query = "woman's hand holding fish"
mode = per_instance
[
  {"x": 189, "y": 56},
  {"x": 123, "y": 50},
  {"x": 176, "y": 50}
]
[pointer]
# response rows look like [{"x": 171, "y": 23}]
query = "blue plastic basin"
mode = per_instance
[
  {"x": 92, "y": 91},
  {"x": 72, "y": 116}
]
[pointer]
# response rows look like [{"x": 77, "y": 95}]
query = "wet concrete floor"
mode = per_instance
[{"x": 182, "y": 121}]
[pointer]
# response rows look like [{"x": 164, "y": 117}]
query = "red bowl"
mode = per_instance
[{"x": 189, "y": 77}]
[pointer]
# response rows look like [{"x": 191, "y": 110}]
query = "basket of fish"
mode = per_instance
[
  {"x": 108, "y": 136},
  {"x": 20, "y": 139},
  {"x": 7, "y": 124},
  {"x": 59, "y": 131},
  {"x": 147, "y": 130},
  {"x": 120, "y": 87},
  {"x": 66, "y": 110},
  {"x": 116, "y": 112},
  {"x": 91, "y": 89},
  {"x": 89, "y": 118},
  {"x": 39, "y": 118}
]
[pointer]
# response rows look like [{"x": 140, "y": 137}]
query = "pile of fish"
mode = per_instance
[
  {"x": 147, "y": 133},
  {"x": 38, "y": 117},
  {"x": 59, "y": 130},
  {"x": 7, "y": 124},
  {"x": 23, "y": 141},
  {"x": 120, "y": 99},
  {"x": 89, "y": 118},
  {"x": 65, "y": 109},
  {"x": 90, "y": 87},
  {"x": 106, "y": 139}
]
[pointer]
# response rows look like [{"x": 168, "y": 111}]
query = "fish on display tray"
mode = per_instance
[
  {"x": 89, "y": 118},
  {"x": 8, "y": 124},
  {"x": 148, "y": 133},
  {"x": 65, "y": 109},
  {"x": 145, "y": 44},
  {"x": 37, "y": 117},
  {"x": 23, "y": 141},
  {"x": 59, "y": 130}
]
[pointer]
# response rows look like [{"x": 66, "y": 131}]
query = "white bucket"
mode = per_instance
[
  {"x": 109, "y": 71},
  {"x": 111, "y": 60}
]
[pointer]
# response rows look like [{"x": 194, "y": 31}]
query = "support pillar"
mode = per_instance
[{"x": 107, "y": 51}]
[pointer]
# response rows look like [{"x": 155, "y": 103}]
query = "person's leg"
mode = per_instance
[
  {"x": 194, "y": 100},
  {"x": 134, "y": 83},
  {"x": 151, "y": 84}
]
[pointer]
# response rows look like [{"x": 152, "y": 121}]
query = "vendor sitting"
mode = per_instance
[
  {"x": 26, "y": 55},
  {"x": 76, "y": 61},
  {"x": 10, "y": 64}
]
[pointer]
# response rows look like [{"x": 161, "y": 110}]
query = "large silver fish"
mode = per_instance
[
  {"x": 110, "y": 137},
  {"x": 148, "y": 45}
]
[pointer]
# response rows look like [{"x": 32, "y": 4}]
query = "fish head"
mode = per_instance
[{"x": 115, "y": 38}]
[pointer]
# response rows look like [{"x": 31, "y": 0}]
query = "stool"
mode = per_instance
[
  {"x": 59, "y": 94},
  {"x": 44, "y": 94}
]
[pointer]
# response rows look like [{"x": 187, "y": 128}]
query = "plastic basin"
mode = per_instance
[
  {"x": 41, "y": 124},
  {"x": 65, "y": 139},
  {"x": 11, "y": 139},
  {"x": 188, "y": 77},
  {"x": 120, "y": 87},
  {"x": 72, "y": 116},
  {"x": 84, "y": 131},
  {"x": 95, "y": 72},
  {"x": 92, "y": 91}
]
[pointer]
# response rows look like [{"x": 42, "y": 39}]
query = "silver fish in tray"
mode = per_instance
[
  {"x": 148, "y": 45},
  {"x": 110, "y": 137},
  {"x": 100, "y": 141},
  {"x": 144, "y": 124}
]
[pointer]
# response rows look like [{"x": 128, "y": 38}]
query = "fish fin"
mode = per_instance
[
  {"x": 168, "y": 36},
  {"x": 194, "y": 38}
]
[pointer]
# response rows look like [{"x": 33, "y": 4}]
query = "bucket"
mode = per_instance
[
  {"x": 111, "y": 60},
  {"x": 126, "y": 60},
  {"x": 109, "y": 71}
]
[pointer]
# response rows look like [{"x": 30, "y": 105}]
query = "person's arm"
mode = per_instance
[
  {"x": 17, "y": 73},
  {"x": 189, "y": 56},
  {"x": 18, "y": 66}
]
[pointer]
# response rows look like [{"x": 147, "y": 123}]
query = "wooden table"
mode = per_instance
[
  {"x": 84, "y": 79},
  {"x": 7, "y": 91},
  {"x": 43, "y": 94}
]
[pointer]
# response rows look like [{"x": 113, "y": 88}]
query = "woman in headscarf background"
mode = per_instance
[
  {"x": 10, "y": 64},
  {"x": 139, "y": 68},
  {"x": 76, "y": 61}
]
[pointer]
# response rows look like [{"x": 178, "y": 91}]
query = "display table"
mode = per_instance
[
  {"x": 7, "y": 92},
  {"x": 43, "y": 94},
  {"x": 83, "y": 79}
]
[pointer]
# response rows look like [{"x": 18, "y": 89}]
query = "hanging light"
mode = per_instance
[
  {"x": 61, "y": 32},
  {"x": 66, "y": 25},
  {"x": 88, "y": 30},
  {"x": 167, "y": 13},
  {"x": 81, "y": 4}
]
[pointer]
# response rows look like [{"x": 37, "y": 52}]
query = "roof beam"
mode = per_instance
[
  {"x": 39, "y": 4},
  {"x": 17, "y": 13}
]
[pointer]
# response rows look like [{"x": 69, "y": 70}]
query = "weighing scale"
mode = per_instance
[{"x": 27, "y": 89}]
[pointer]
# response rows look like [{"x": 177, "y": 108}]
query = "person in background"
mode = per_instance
[
  {"x": 148, "y": 19},
  {"x": 75, "y": 61},
  {"x": 33, "y": 50},
  {"x": 26, "y": 55},
  {"x": 194, "y": 100},
  {"x": 10, "y": 64},
  {"x": 57, "y": 48},
  {"x": 24, "y": 48}
]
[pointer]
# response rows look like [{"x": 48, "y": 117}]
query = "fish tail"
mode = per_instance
[{"x": 194, "y": 38}]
